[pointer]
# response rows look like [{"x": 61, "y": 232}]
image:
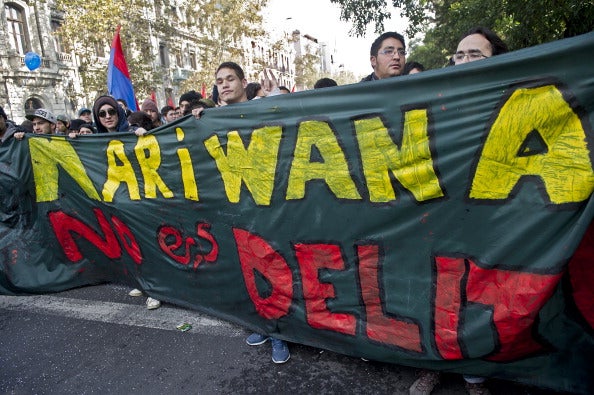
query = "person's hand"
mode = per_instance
[
  {"x": 72, "y": 135},
  {"x": 197, "y": 112},
  {"x": 140, "y": 131},
  {"x": 269, "y": 82},
  {"x": 18, "y": 135}
]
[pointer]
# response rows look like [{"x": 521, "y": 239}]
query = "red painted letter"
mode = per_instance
[
  {"x": 312, "y": 258},
  {"x": 379, "y": 327},
  {"x": 256, "y": 254},
  {"x": 64, "y": 225},
  {"x": 514, "y": 297}
]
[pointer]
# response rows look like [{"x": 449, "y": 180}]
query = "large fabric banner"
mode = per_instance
[{"x": 427, "y": 220}]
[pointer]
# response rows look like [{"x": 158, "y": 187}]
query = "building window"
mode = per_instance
[
  {"x": 100, "y": 50},
  {"x": 17, "y": 28},
  {"x": 32, "y": 104},
  {"x": 193, "y": 60},
  {"x": 163, "y": 55},
  {"x": 57, "y": 39}
]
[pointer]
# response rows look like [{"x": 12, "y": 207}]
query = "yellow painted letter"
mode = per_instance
[
  {"x": 334, "y": 169},
  {"x": 187, "y": 169},
  {"x": 46, "y": 155},
  {"x": 255, "y": 166},
  {"x": 561, "y": 157},
  {"x": 116, "y": 174},
  {"x": 411, "y": 164},
  {"x": 148, "y": 154}
]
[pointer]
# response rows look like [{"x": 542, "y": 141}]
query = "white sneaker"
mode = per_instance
[
  {"x": 135, "y": 292},
  {"x": 152, "y": 304}
]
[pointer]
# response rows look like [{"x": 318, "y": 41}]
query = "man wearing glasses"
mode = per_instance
[
  {"x": 478, "y": 43},
  {"x": 387, "y": 56}
]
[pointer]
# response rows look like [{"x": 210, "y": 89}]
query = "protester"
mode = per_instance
[
  {"x": 44, "y": 122},
  {"x": 109, "y": 116},
  {"x": 185, "y": 99},
  {"x": 85, "y": 114},
  {"x": 79, "y": 128},
  {"x": 197, "y": 107},
  {"x": 168, "y": 114},
  {"x": 412, "y": 68},
  {"x": 150, "y": 107},
  {"x": 283, "y": 90},
  {"x": 479, "y": 43},
  {"x": 325, "y": 83},
  {"x": 86, "y": 128},
  {"x": 75, "y": 125},
  {"x": 124, "y": 105},
  {"x": 112, "y": 118},
  {"x": 231, "y": 85},
  {"x": 140, "y": 119},
  {"x": 387, "y": 56},
  {"x": 476, "y": 44},
  {"x": 253, "y": 90},
  {"x": 62, "y": 124}
]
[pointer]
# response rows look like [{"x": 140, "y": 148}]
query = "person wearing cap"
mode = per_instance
[
  {"x": 186, "y": 99},
  {"x": 79, "y": 127},
  {"x": 85, "y": 114},
  {"x": 44, "y": 122},
  {"x": 150, "y": 107},
  {"x": 62, "y": 124},
  {"x": 75, "y": 125}
]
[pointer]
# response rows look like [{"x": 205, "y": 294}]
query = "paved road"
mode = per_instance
[{"x": 98, "y": 340}]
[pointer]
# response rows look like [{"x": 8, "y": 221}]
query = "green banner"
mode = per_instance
[{"x": 427, "y": 220}]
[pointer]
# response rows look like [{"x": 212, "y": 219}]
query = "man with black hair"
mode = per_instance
[
  {"x": 478, "y": 43},
  {"x": 325, "y": 83},
  {"x": 231, "y": 84},
  {"x": 169, "y": 114},
  {"x": 387, "y": 56},
  {"x": 186, "y": 99},
  {"x": 475, "y": 44}
]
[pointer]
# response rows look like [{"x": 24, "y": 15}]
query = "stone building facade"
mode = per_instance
[{"x": 29, "y": 26}]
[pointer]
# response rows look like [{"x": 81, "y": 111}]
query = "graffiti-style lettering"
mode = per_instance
[
  {"x": 254, "y": 166},
  {"x": 411, "y": 164},
  {"x": 380, "y": 327},
  {"x": 170, "y": 240},
  {"x": 256, "y": 255},
  {"x": 46, "y": 156},
  {"x": 66, "y": 226},
  {"x": 312, "y": 258},
  {"x": 514, "y": 298},
  {"x": 148, "y": 154},
  {"x": 333, "y": 169},
  {"x": 187, "y": 169},
  {"x": 119, "y": 173},
  {"x": 508, "y": 154}
]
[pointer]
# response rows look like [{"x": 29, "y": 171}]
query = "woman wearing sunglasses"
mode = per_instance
[{"x": 110, "y": 116}]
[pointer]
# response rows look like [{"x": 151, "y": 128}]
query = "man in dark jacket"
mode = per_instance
[{"x": 387, "y": 56}]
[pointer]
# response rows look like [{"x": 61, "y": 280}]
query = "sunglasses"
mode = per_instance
[{"x": 111, "y": 112}]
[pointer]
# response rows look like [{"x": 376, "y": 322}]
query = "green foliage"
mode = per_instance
[
  {"x": 89, "y": 28},
  {"x": 307, "y": 70},
  {"x": 521, "y": 23},
  {"x": 216, "y": 26}
]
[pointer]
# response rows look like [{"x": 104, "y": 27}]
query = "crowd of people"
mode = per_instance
[{"x": 111, "y": 115}]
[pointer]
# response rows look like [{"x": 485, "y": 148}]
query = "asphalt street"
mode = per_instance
[{"x": 99, "y": 340}]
